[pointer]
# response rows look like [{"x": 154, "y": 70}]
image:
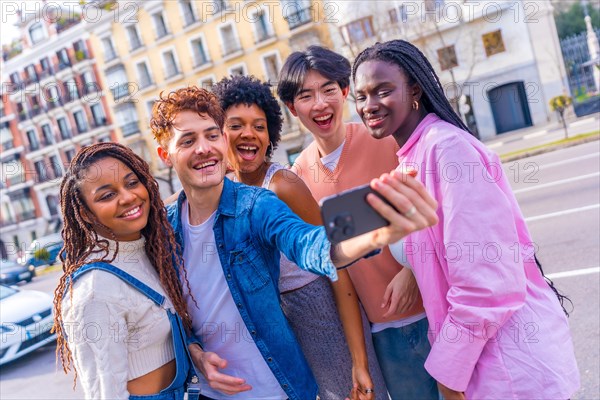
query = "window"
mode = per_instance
[
  {"x": 63, "y": 127},
  {"x": 360, "y": 30},
  {"x": 127, "y": 119},
  {"x": 159, "y": 25},
  {"x": 117, "y": 81},
  {"x": 15, "y": 78},
  {"x": 52, "y": 203},
  {"x": 71, "y": 90},
  {"x": 447, "y": 57},
  {"x": 80, "y": 121},
  {"x": 143, "y": 75},
  {"x": 109, "y": 49},
  {"x": 55, "y": 165},
  {"x": 48, "y": 137},
  {"x": 40, "y": 171},
  {"x": 170, "y": 64},
  {"x": 238, "y": 70},
  {"x": 262, "y": 26},
  {"x": 207, "y": 83},
  {"x": 36, "y": 32},
  {"x": 229, "y": 41},
  {"x": 134, "y": 38},
  {"x": 70, "y": 154},
  {"x": 81, "y": 52},
  {"x": 199, "y": 52},
  {"x": 89, "y": 82},
  {"x": 33, "y": 140},
  {"x": 493, "y": 43},
  {"x": 63, "y": 59},
  {"x": 271, "y": 65},
  {"x": 434, "y": 5},
  {"x": 187, "y": 9},
  {"x": 31, "y": 73},
  {"x": 393, "y": 13},
  {"x": 149, "y": 107},
  {"x": 98, "y": 114}
]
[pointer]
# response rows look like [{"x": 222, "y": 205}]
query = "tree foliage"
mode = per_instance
[{"x": 571, "y": 22}]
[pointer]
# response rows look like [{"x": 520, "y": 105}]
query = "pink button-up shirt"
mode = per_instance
[{"x": 497, "y": 329}]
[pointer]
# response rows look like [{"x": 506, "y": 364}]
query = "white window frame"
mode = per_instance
[
  {"x": 137, "y": 30},
  {"x": 202, "y": 38},
  {"x": 236, "y": 38},
  {"x": 167, "y": 30},
  {"x": 175, "y": 58},
  {"x": 270, "y": 28},
  {"x": 182, "y": 13},
  {"x": 264, "y": 64},
  {"x": 242, "y": 64},
  {"x": 112, "y": 45},
  {"x": 146, "y": 61},
  {"x": 212, "y": 77}
]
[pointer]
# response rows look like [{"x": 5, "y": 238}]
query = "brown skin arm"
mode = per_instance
[{"x": 294, "y": 192}]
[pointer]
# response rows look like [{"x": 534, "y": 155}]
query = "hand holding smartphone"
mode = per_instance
[{"x": 347, "y": 214}]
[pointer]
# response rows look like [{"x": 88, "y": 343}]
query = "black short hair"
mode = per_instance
[
  {"x": 242, "y": 89},
  {"x": 328, "y": 63}
]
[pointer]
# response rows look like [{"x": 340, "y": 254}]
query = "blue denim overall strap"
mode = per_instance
[{"x": 176, "y": 390}]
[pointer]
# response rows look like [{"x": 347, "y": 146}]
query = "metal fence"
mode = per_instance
[{"x": 575, "y": 53}]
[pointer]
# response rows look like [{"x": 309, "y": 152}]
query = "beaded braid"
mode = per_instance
[
  {"x": 81, "y": 239},
  {"x": 418, "y": 69}
]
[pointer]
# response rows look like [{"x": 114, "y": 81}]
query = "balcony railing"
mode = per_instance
[
  {"x": 82, "y": 129},
  {"x": 9, "y": 144},
  {"x": 109, "y": 56},
  {"x": 23, "y": 116},
  {"x": 171, "y": 72},
  {"x": 98, "y": 123},
  {"x": 81, "y": 55},
  {"x": 91, "y": 87},
  {"x": 35, "y": 111},
  {"x": 31, "y": 79},
  {"x": 136, "y": 44},
  {"x": 130, "y": 128},
  {"x": 63, "y": 64},
  {"x": 301, "y": 17},
  {"x": 47, "y": 140}
]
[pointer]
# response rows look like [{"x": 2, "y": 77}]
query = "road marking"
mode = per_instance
[
  {"x": 564, "y": 212},
  {"x": 582, "y": 122},
  {"x": 494, "y": 145},
  {"x": 556, "y": 183},
  {"x": 534, "y": 135},
  {"x": 570, "y": 160},
  {"x": 575, "y": 272}
]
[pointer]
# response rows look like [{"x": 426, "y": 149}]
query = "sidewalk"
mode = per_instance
[{"x": 543, "y": 138}]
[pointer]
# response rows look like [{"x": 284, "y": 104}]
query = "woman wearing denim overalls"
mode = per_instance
[{"x": 120, "y": 316}]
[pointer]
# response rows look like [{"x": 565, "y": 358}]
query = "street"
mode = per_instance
[{"x": 559, "y": 194}]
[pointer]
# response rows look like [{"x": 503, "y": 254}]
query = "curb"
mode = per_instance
[
  {"x": 549, "y": 148},
  {"x": 48, "y": 269}
]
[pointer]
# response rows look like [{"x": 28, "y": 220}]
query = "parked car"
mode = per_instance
[
  {"x": 43, "y": 251},
  {"x": 12, "y": 272},
  {"x": 25, "y": 322}
]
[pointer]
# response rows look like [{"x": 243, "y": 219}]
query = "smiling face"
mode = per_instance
[
  {"x": 197, "y": 151},
  {"x": 117, "y": 199},
  {"x": 384, "y": 100},
  {"x": 319, "y": 106},
  {"x": 246, "y": 128}
]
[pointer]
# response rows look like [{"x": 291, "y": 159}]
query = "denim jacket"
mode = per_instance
[{"x": 251, "y": 227}]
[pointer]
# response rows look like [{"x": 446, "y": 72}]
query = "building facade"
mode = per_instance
[
  {"x": 52, "y": 105},
  {"x": 490, "y": 56},
  {"x": 149, "y": 47}
]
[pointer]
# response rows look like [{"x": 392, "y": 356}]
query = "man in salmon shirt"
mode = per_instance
[{"x": 314, "y": 86}]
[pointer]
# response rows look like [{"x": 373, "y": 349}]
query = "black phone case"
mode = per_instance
[{"x": 347, "y": 214}]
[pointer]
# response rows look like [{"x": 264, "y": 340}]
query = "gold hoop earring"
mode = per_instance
[{"x": 415, "y": 105}]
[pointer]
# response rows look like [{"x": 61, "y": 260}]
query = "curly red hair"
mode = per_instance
[{"x": 191, "y": 98}]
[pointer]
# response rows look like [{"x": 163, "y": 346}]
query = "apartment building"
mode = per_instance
[
  {"x": 52, "y": 105},
  {"x": 147, "y": 47},
  {"x": 499, "y": 61}
]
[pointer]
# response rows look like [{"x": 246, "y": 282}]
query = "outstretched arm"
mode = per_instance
[{"x": 297, "y": 196}]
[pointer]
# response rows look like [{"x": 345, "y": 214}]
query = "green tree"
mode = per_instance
[{"x": 571, "y": 22}]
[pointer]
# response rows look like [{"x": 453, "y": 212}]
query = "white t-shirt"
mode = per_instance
[
  {"x": 217, "y": 321},
  {"x": 330, "y": 161}
]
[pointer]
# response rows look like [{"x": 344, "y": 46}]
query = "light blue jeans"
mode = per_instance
[{"x": 402, "y": 353}]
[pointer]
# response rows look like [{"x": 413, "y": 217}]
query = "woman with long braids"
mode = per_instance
[
  {"x": 496, "y": 324},
  {"x": 120, "y": 316}
]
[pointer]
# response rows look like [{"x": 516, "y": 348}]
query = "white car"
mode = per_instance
[{"x": 26, "y": 319}]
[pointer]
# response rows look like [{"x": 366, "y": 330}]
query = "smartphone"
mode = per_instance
[{"x": 347, "y": 214}]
